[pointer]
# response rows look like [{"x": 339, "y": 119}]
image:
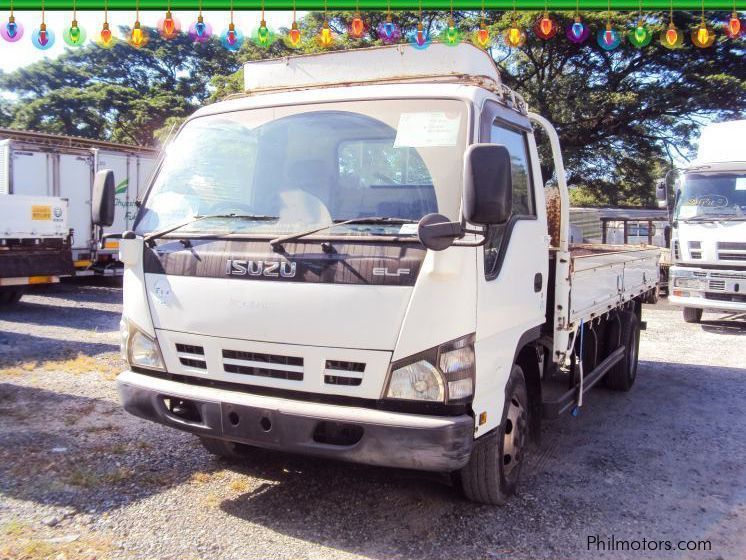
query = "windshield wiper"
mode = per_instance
[
  {"x": 277, "y": 242},
  {"x": 713, "y": 218},
  {"x": 149, "y": 239}
]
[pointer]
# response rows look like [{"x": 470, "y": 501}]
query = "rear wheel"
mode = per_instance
[
  {"x": 225, "y": 449},
  {"x": 10, "y": 297},
  {"x": 692, "y": 315},
  {"x": 494, "y": 468},
  {"x": 623, "y": 332}
]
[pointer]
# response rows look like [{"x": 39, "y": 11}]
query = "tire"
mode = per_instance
[
  {"x": 692, "y": 315},
  {"x": 10, "y": 297},
  {"x": 493, "y": 471},
  {"x": 624, "y": 332},
  {"x": 225, "y": 449}
]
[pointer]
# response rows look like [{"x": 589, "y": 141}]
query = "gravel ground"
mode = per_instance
[{"x": 81, "y": 479}]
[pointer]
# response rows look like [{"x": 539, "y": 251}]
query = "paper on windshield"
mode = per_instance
[
  {"x": 427, "y": 130},
  {"x": 741, "y": 183}
]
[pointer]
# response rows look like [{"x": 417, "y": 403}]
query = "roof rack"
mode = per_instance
[
  {"x": 61, "y": 140},
  {"x": 395, "y": 64}
]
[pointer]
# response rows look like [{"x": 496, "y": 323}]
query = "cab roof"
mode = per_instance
[{"x": 397, "y": 71}]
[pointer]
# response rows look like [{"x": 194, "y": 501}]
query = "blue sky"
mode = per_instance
[{"x": 22, "y": 53}]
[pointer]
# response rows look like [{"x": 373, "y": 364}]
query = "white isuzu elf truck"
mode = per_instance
[
  {"x": 708, "y": 245},
  {"x": 361, "y": 266}
]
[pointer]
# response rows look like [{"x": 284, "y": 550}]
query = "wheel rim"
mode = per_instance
[{"x": 514, "y": 435}]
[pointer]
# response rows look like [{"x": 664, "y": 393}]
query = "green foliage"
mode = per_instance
[{"x": 623, "y": 116}]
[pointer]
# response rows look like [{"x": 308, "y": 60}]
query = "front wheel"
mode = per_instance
[
  {"x": 692, "y": 315},
  {"x": 492, "y": 473},
  {"x": 10, "y": 297}
]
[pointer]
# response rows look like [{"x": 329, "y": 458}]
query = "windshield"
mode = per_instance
[
  {"x": 712, "y": 196},
  {"x": 300, "y": 167}
]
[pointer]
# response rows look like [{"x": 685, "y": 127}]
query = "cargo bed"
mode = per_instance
[{"x": 603, "y": 277}]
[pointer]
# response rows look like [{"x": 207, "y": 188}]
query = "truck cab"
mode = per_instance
[
  {"x": 708, "y": 244},
  {"x": 362, "y": 269}
]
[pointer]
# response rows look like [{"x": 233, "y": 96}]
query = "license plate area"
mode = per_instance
[{"x": 246, "y": 423}]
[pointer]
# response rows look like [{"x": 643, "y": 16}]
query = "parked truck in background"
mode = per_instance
[
  {"x": 708, "y": 242},
  {"x": 34, "y": 244},
  {"x": 364, "y": 268},
  {"x": 37, "y": 164}
]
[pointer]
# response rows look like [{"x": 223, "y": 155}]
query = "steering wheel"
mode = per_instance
[{"x": 230, "y": 207}]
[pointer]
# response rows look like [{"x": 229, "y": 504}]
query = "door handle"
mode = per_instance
[{"x": 538, "y": 282}]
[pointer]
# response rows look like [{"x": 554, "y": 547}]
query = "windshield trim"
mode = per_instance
[{"x": 470, "y": 134}]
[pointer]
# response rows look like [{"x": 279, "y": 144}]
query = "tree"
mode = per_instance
[
  {"x": 624, "y": 116},
  {"x": 121, "y": 94}
]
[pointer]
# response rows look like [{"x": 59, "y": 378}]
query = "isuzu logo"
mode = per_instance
[{"x": 269, "y": 269}]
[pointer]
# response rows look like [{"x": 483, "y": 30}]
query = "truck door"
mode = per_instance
[
  {"x": 512, "y": 266},
  {"x": 31, "y": 173},
  {"x": 75, "y": 181}
]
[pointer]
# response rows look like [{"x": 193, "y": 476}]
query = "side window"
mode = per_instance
[
  {"x": 523, "y": 195},
  {"x": 515, "y": 142}
]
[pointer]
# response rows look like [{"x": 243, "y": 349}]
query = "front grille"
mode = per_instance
[
  {"x": 263, "y": 365},
  {"x": 191, "y": 356},
  {"x": 731, "y": 256},
  {"x": 732, "y": 245},
  {"x": 737, "y": 298},
  {"x": 696, "y": 254},
  {"x": 190, "y": 349},
  {"x": 338, "y": 372},
  {"x": 731, "y": 251},
  {"x": 716, "y": 285},
  {"x": 728, "y": 276}
]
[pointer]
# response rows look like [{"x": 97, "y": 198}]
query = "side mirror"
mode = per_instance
[
  {"x": 102, "y": 199},
  {"x": 488, "y": 184},
  {"x": 437, "y": 232},
  {"x": 661, "y": 194}
]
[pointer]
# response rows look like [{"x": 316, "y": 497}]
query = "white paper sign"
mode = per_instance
[
  {"x": 741, "y": 183},
  {"x": 427, "y": 130}
]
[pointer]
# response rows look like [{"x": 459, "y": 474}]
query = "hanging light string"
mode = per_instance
[
  {"x": 293, "y": 11},
  {"x": 106, "y": 12},
  {"x": 703, "y": 12},
  {"x": 231, "y": 26},
  {"x": 262, "y": 11},
  {"x": 388, "y": 10},
  {"x": 577, "y": 8},
  {"x": 483, "y": 12},
  {"x": 42, "y": 13}
]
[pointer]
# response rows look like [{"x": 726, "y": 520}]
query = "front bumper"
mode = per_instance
[
  {"x": 374, "y": 437},
  {"x": 721, "y": 289}
]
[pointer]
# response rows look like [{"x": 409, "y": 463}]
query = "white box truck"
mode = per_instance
[
  {"x": 708, "y": 243},
  {"x": 362, "y": 267},
  {"x": 38, "y": 164},
  {"x": 34, "y": 244}
]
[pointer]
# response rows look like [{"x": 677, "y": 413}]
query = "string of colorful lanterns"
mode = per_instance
[{"x": 544, "y": 28}]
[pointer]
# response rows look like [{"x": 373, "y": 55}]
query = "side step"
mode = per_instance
[{"x": 553, "y": 408}]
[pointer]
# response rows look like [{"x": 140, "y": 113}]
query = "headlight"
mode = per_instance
[
  {"x": 419, "y": 381},
  {"x": 441, "y": 374},
  {"x": 138, "y": 348}
]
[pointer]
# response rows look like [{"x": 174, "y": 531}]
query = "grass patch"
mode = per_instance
[
  {"x": 201, "y": 477},
  {"x": 15, "y": 528},
  {"x": 75, "y": 364},
  {"x": 83, "y": 478},
  {"x": 239, "y": 485}
]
